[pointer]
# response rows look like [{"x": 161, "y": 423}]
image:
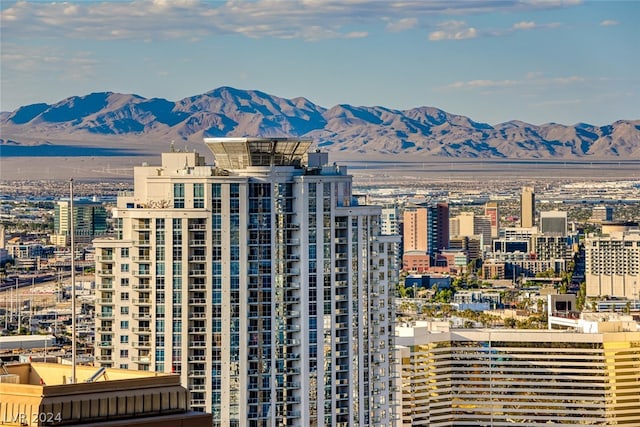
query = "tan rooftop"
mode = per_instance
[{"x": 33, "y": 394}]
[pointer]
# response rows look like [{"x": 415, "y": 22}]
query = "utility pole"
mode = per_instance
[{"x": 73, "y": 285}]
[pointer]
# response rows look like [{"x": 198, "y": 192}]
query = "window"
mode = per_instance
[
  {"x": 124, "y": 252},
  {"x": 198, "y": 195},
  {"x": 124, "y": 310},
  {"x": 124, "y": 268},
  {"x": 124, "y": 281},
  {"x": 178, "y": 195},
  {"x": 124, "y": 366},
  {"x": 124, "y": 324},
  {"x": 124, "y": 339},
  {"x": 124, "y": 296},
  {"x": 124, "y": 354}
]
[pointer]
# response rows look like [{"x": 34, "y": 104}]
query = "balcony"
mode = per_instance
[
  {"x": 197, "y": 301},
  {"x": 105, "y": 344},
  {"x": 198, "y": 242},
  {"x": 104, "y": 286},
  {"x": 197, "y": 273},
  {"x": 141, "y": 344},
  {"x": 103, "y": 358},
  {"x": 141, "y": 286},
  {"x": 142, "y": 316},
  {"x": 197, "y": 258},
  {"x": 144, "y": 360},
  {"x": 107, "y": 272},
  {"x": 194, "y": 227},
  {"x": 145, "y": 242},
  {"x": 142, "y": 330},
  {"x": 105, "y": 258},
  {"x": 141, "y": 301},
  {"x": 141, "y": 258},
  {"x": 197, "y": 374},
  {"x": 141, "y": 273},
  {"x": 105, "y": 315},
  {"x": 105, "y": 301}
]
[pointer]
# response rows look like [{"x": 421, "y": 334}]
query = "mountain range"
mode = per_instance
[{"x": 226, "y": 111}]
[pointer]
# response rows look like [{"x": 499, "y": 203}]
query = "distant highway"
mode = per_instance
[{"x": 24, "y": 281}]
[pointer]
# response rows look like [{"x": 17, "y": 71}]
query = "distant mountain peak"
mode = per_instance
[{"x": 229, "y": 111}]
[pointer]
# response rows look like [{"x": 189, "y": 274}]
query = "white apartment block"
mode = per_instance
[
  {"x": 612, "y": 264},
  {"x": 507, "y": 377},
  {"x": 258, "y": 280}
]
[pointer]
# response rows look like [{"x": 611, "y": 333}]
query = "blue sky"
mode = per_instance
[{"x": 493, "y": 61}]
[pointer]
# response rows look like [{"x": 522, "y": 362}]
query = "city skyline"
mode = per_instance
[{"x": 535, "y": 61}]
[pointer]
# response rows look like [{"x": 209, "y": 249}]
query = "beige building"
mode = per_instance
[
  {"x": 415, "y": 230},
  {"x": 612, "y": 265},
  {"x": 527, "y": 207},
  {"x": 490, "y": 377},
  {"x": 39, "y": 394}
]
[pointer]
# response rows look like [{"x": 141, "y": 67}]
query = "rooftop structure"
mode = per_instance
[
  {"x": 37, "y": 394},
  {"x": 241, "y": 153}
]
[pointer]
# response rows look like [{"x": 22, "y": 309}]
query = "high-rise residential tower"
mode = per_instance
[
  {"x": 527, "y": 207},
  {"x": 258, "y": 280}
]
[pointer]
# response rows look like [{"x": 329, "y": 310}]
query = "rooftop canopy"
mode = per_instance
[{"x": 240, "y": 153}]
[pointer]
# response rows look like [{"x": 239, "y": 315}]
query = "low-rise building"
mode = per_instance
[{"x": 37, "y": 394}]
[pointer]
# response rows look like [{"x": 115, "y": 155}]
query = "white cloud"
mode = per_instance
[
  {"x": 195, "y": 19},
  {"x": 524, "y": 25},
  {"x": 530, "y": 79},
  {"x": 453, "y": 30},
  {"x": 29, "y": 60},
  {"x": 609, "y": 23},
  {"x": 403, "y": 24}
]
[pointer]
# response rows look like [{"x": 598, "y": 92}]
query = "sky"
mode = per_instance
[{"x": 537, "y": 61}]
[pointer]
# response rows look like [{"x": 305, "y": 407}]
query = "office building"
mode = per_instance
[
  {"x": 90, "y": 221},
  {"x": 553, "y": 223},
  {"x": 602, "y": 213},
  {"x": 40, "y": 394},
  {"x": 527, "y": 207},
  {"x": 500, "y": 377},
  {"x": 437, "y": 227},
  {"x": 468, "y": 224},
  {"x": 492, "y": 210},
  {"x": 612, "y": 265},
  {"x": 258, "y": 280}
]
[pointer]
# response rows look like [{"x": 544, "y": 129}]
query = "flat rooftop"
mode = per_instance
[{"x": 100, "y": 397}]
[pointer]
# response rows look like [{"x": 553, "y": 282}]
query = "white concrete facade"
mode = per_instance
[{"x": 258, "y": 281}]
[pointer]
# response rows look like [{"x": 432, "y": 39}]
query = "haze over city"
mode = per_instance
[{"x": 556, "y": 61}]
